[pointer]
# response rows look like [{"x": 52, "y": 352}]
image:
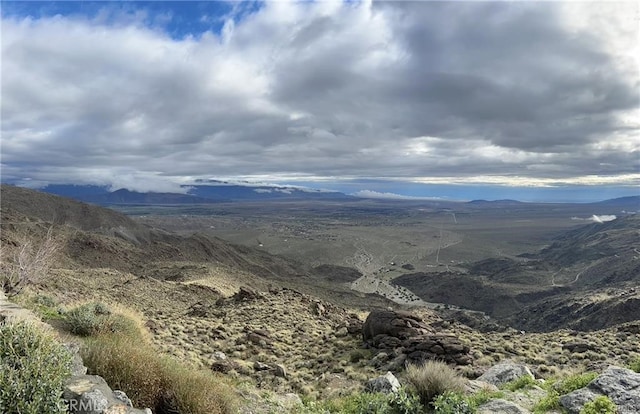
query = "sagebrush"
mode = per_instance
[{"x": 33, "y": 368}]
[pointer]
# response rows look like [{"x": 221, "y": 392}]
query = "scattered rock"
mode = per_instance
[
  {"x": 280, "y": 371},
  {"x": 505, "y": 372},
  {"x": 246, "y": 294},
  {"x": 317, "y": 308},
  {"x": 224, "y": 366},
  {"x": 500, "y": 406},
  {"x": 219, "y": 355},
  {"x": 77, "y": 365},
  {"x": 386, "y": 383},
  {"x": 260, "y": 366},
  {"x": 621, "y": 385}
]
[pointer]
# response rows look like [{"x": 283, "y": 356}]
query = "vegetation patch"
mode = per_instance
[
  {"x": 601, "y": 405},
  {"x": 33, "y": 367},
  {"x": 402, "y": 402},
  {"x": 127, "y": 361},
  {"x": 433, "y": 378}
]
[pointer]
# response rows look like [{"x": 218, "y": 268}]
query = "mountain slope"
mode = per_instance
[
  {"x": 96, "y": 237},
  {"x": 586, "y": 279}
]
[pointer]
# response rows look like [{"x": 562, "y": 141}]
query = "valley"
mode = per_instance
[
  {"x": 274, "y": 295},
  {"x": 493, "y": 258}
]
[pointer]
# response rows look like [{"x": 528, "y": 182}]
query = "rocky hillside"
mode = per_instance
[{"x": 586, "y": 279}]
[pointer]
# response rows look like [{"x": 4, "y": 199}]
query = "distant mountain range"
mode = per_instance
[
  {"x": 209, "y": 192},
  {"x": 214, "y": 191}
]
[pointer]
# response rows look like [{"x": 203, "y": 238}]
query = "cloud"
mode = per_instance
[
  {"x": 389, "y": 196},
  {"x": 514, "y": 92},
  {"x": 597, "y": 219}
]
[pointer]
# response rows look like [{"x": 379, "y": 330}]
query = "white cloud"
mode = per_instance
[
  {"x": 533, "y": 94},
  {"x": 389, "y": 196}
]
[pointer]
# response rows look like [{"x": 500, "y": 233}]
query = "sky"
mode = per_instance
[{"x": 537, "y": 101}]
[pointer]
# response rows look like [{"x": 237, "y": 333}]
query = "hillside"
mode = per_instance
[{"x": 585, "y": 279}]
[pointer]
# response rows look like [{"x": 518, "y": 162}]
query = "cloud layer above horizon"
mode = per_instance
[{"x": 512, "y": 93}]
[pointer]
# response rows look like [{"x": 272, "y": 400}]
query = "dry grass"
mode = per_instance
[
  {"x": 128, "y": 362},
  {"x": 433, "y": 378}
]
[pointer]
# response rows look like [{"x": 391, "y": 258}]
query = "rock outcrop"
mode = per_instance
[
  {"x": 402, "y": 337},
  {"x": 396, "y": 324},
  {"x": 90, "y": 394},
  {"x": 621, "y": 385}
]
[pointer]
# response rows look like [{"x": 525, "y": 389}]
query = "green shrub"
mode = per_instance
[
  {"x": 452, "y": 403},
  {"x": 84, "y": 320},
  {"x": 483, "y": 396},
  {"x": 405, "y": 402},
  {"x": 549, "y": 402},
  {"x": 95, "y": 318},
  {"x": 433, "y": 378},
  {"x": 402, "y": 402},
  {"x": 635, "y": 365},
  {"x": 601, "y": 405},
  {"x": 525, "y": 381},
  {"x": 574, "y": 382},
  {"x": 33, "y": 367},
  {"x": 556, "y": 388}
]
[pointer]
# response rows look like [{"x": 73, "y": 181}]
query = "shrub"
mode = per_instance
[
  {"x": 402, "y": 402},
  {"x": 483, "y": 396},
  {"x": 452, "y": 403},
  {"x": 635, "y": 365},
  {"x": 574, "y": 382},
  {"x": 33, "y": 367},
  {"x": 128, "y": 362},
  {"x": 31, "y": 262},
  {"x": 95, "y": 318},
  {"x": 405, "y": 402},
  {"x": 601, "y": 405},
  {"x": 525, "y": 381},
  {"x": 433, "y": 378},
  {"x": 561, "y": 387}
]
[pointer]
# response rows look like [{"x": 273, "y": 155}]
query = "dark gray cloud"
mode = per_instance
[{"x": 400, "y": 90}]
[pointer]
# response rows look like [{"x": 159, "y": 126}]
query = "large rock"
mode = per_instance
[
  {"x": 501, "y": 407},
  {"x": 386, "y": 383},
  {"x": 401, "y": 333},
  {"x": 505, "y": 372},
  {"x": 396, "y": 324},
  {"x": 621, "y": 385},
  {"x": 90, "y": 394}
]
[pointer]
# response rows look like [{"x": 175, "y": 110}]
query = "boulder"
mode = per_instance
[
  {"x": 280, "y": 371},
  {"x": 386, "y": 383},
  {"x": 399, "y": 333},
  {"x": 246, "y": 294},
  {"x": 90, "y": 394},
  {"x": 621, "y": 385},
  {"x": 397, "y": 324},
  {"x": 500, "y": 406},
  {"x": 505, "y": 372}
]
